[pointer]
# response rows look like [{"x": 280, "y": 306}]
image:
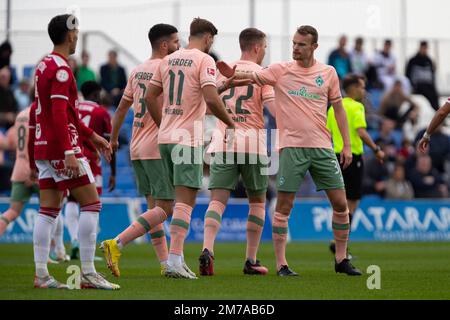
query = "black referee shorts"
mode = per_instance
[{"x": 353, "y": 177}]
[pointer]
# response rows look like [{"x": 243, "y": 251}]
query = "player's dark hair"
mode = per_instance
[
  {"x": 159, "y": 32},
  {"x": 89, "y": 87},
  {"x": 201, "y": 26},
  {"x": 351, "y": 80},
  {"x": 249, "y": 37},
  {"x": 59, "y": 26},
  {"x": 305, "y": 30}
]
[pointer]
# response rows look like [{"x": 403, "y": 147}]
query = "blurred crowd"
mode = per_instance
[{"x": 391, "y": 113}]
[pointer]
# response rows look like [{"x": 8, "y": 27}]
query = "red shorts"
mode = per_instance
[{"x": 51, "y": 177}]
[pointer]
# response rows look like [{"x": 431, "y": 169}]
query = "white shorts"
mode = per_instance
[{"x": 51, "y": 175}]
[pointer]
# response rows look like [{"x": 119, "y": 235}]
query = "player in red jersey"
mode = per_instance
[
  {"x": 56, "y": 149},
  {"x": 98, "y": 119}
]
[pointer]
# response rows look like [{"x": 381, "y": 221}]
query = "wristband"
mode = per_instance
[
  {"x": 69, "y": 152},
  {"x": 377, "y": 149},
  {"x": 426, "y": 136}
]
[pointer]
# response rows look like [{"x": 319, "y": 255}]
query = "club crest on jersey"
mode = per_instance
[
  {"x": 211, "y": 71},
  {"x": 319, "y": 81},
  {"x": 41, "y": 67},
  {"x": 62, "y": 75}
]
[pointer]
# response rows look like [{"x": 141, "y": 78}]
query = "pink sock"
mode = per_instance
[
  {"x": 341, "y": 230},
  {"x": 179, "y": 227},
  {"x": 142, "y": 225},
  {"x": 6, "y": 218},
  {"x": 213, "y": 218},
  {"x": 279, "y": 236},
  {"x": 255, "y": 225},
  {"x": 159, "y": 242}
]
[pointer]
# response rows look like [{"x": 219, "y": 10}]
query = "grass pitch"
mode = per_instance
[{"x": 408, "y": 271}]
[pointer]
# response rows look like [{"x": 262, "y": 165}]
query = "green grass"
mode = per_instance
[{"x": 408, "y": 271}]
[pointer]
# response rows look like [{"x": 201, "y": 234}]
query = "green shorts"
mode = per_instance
[
  {"x": 321, "y": 163},
  {"x": 152, "y": 179},
  {"x": 226, "y": 167},
  {"x": 183, "y": 164},
  {"x": 21, "y": 193}
]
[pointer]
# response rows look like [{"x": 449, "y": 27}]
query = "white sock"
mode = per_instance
[
  {"x": 43, "y": 226},
  {"x": 119, "y": 243},
  {"x": 58, "y": 236},
  {"x": 87, "y": 236},
  {"x": 71, "y": 213},
  {"x": 163, "y": 263},
  {"x": 174, "y": 259}
]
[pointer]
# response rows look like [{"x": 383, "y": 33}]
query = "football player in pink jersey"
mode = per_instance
[
  {"x": 438, "y": 118},
  {"x": 303, "y": 89},
  {"x": 152, "y": 180},
  {"x": 56, "y": 150},
  {"x": 245, "y": 105},
  {"x": 24, "y": 183},
  {"x": 187, "y": 81}
]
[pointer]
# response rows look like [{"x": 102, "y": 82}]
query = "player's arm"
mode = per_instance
[
  {"x": 97, "y": 141},
  {"x": 117, "y": 121},
  {"x": 107, "y": 131},
  {"x": 365, "y": 137},
  {"x": 216, "y": 106},
  {"x": 437, "y": 120},
  {"x": 31, "y": 138},
  {"x": 151, "y": 101},
  {"x": 59, "y": 99},
  {"x": 232, "y": 82},
  {"x": 341, "y": 119}
]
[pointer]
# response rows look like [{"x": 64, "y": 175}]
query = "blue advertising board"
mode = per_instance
[{"x": 374, "y": 220}]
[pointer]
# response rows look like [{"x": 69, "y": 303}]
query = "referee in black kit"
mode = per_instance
[{"x": 354, "y": 87}]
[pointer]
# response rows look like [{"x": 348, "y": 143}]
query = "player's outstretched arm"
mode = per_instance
[
  {"x": 438, "y": 118},
  {"x": 341, "y": 119},
  {"x": 216, "y": 106},
  {"x": 117, "y": 122},
  {"x": 151, "y": 101}
]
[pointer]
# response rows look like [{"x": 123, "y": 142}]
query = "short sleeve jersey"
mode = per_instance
[
  {"x": 18, "y": 135},
  {"x": 182, "y": 75},
  {"x": 301, "y": 99},
  {"x": 245, "y": 106},
  {"x": 144, "y": 138},
  {"x": 356, "y": 119}
]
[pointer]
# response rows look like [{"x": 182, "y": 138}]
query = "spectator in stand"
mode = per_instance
[
  {"x": 426, "y": 181},
  {"x": 358, "y": 58},
  {"x": 393, "y": 101},
  {"x": 5, "y": 59},
  {"x": 376, "y": 173},
  {"x": 385, "y": 134},
  {"x": 113, "y": 77},
  {"x": 421, "y": 72},
  {"x": 384, "y": 62},
  {"x": 340, "y": 59},
  {"x": 22, "y": 94},
  {"x": 8, "y": 103},
  {"x": 397, "y": 187},
  {"x": 73, "y": 64},
  {"x": 85, "y": 73}
]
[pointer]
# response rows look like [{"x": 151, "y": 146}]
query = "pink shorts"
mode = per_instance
[{"x": 51, "y": 176}]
